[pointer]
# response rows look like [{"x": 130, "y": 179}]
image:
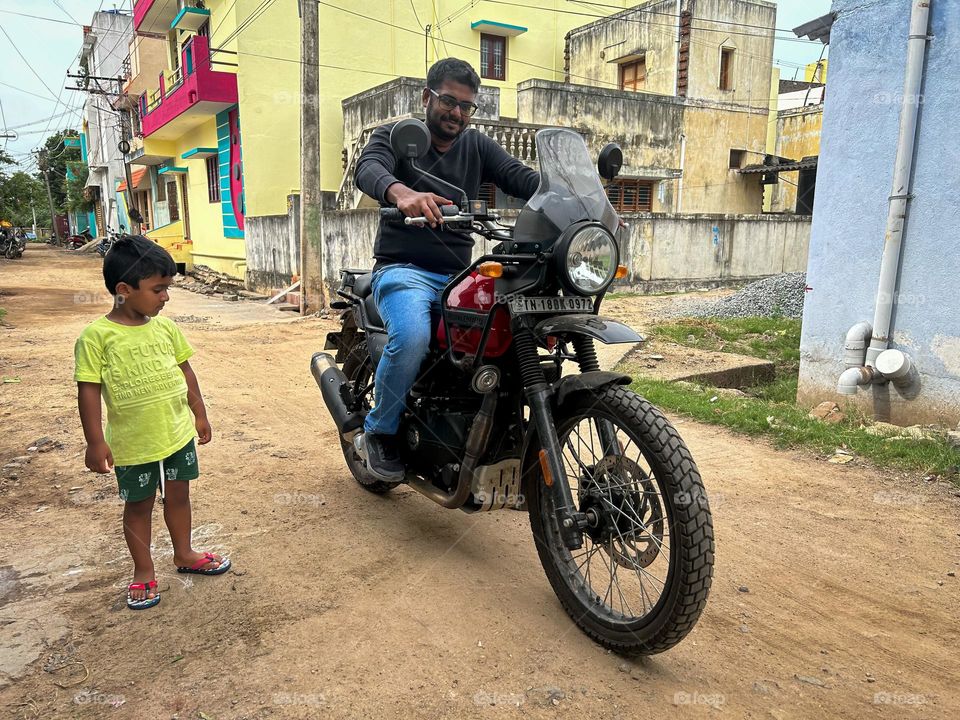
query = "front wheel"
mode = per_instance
[{"x": 640, "y": 581}]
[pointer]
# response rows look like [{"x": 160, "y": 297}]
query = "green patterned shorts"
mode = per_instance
[{"x": 139, "y": 482}]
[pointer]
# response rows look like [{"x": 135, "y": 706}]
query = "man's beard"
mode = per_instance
[{"x": 436, "y": 120}]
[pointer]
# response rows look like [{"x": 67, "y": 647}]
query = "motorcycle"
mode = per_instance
[
  {"x": 75, "y": 242},
  {"x": 12, "y": 243},
  {"x": 103, "y": 247},
  {"x": 619, "y": 515}
]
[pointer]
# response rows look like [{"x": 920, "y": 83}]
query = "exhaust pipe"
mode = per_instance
[{"x": 337, "y": 393}]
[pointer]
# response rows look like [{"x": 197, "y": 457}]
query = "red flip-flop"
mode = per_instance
[
  {"x": 197, "y": 567},
  {"x": 146, "y": 602}
]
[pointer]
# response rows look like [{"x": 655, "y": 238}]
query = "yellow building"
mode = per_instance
[
  {"x": 220, "y": 124},
  {"x": 239, "y": 61}
]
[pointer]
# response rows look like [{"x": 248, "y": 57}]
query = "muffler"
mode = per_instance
[{"x": 337, "y": 393}]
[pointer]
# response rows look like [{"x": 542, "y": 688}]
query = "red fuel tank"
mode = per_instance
[{"x": 476, "y": 293}]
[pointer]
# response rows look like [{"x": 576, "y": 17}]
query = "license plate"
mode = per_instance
[{"x": 520, "y": 304}]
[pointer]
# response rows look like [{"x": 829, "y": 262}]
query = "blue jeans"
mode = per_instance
[{"x": 404, "y": 295}]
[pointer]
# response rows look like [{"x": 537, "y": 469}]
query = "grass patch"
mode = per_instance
[
  {"x": 2, "y": 314},
  {"x": 791, "y": 427},
  {"x": 769, "y": 410},
  {"x": 774, "y": 339}
]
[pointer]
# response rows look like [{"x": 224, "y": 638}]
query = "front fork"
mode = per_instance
[{"x": 570, "y": 520}]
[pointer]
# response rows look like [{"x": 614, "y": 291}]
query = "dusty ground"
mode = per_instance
[{"x": 831, "y": 596}]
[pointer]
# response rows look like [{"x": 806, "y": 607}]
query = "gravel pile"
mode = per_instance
[{"x": 778, "y": 295}]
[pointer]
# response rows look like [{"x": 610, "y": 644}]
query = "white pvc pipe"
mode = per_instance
[
  {"x": 909, "y": 107},
  {"x": 683, "y": 155},
  {"x": 853, "y": 377},
  {"x": 855, "y": 345}
]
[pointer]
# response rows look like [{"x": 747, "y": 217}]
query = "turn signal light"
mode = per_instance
[
  {"x": 621, "y": 272},
  {"x": 490, "y": 269}
]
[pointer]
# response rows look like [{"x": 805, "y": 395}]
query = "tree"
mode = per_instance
[
  {"x": 77, "y": 198},
  {"x": 58, "y": 155},
  {"x": 20, "y": 195}
]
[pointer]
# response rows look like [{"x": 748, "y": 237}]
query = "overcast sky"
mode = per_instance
[{"x": 51, "y": 47}]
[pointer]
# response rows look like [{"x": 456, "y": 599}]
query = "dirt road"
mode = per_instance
[{"x": 833, "y": 596}]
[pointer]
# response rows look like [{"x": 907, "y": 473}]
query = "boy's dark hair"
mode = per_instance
[
  {"x": 133, "y": 258},
  {"x": 453, "y": 69}
]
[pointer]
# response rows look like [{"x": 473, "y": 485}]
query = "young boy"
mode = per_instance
[{"x": 138, "y": 363}]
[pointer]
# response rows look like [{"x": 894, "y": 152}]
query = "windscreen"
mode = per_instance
[{"x": 570, "y": 190}]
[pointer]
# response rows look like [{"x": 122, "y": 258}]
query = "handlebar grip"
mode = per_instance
[{"x": 391, "y": 215}]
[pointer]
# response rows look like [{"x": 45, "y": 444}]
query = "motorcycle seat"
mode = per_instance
[{"x": 362, "y": 286}]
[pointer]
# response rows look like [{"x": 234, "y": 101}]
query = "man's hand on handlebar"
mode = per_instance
[{"x": 417, "y": 204}]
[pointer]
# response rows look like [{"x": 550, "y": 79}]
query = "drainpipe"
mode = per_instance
[
  {"x": 683, "y": 155},
  {"x": 880, "y": 363}
]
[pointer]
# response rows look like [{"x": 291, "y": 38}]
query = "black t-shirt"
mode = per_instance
[{"x": 472, "y": 160}]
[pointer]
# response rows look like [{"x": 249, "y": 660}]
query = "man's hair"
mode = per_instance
[
  {"x": 453, "y": 69},
  {"x": 133, "y": 258}
]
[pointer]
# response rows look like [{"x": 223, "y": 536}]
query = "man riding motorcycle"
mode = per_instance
[{"x": 414, "y": 263}]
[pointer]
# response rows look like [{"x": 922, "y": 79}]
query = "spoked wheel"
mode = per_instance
[
  {"x": 359, "y": 370},
  {"x": 640, "y": 581}
]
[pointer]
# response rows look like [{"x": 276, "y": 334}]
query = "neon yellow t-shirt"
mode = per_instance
[{"x": 136, "y": 366}]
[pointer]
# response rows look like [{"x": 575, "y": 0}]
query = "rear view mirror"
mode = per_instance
[
  {"x": 610, "y": 161},
  {"x": 410, "y": 139}
]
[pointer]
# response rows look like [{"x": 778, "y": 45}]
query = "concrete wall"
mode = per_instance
[
  {"x": 798, "y": 136},
  {"x": 273, "y": 248},
  {"x": 662, "y": 252},
  {"x": 868, "y": 46},
  {"x": 597, "y": 49},
  {"x": 649, "y": 128}
]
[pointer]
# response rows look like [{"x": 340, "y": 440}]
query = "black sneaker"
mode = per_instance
[{"x": 380, "y": 453}]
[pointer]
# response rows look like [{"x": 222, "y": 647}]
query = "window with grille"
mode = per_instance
[
  {"x": 633, "y": 75},
  {"x": 213, "y": 178},
  {"x": 493, "y": 57},
  {"x": 726, "y": 68},
  {"x": 631, "y": 195}
]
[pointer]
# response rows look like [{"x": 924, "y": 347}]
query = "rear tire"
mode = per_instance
[
  {"x": 359, "y": 371},
  {"x": 652, "y": 518}
]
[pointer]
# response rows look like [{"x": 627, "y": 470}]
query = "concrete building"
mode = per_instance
[
  {"x": 853, "y": 242},
  {"x": 797, "y": 139},
  {"x": 102, "y": 55},
  {"x": 687, "y": 97}
]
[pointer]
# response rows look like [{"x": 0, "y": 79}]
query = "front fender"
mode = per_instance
[
  {"x": 585, "y": 382},
  {"x": 597, "y": 327},
  {"x": 563, "y": 389}
]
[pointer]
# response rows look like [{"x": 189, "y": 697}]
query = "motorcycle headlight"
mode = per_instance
[{"x": 589, "y": 260}]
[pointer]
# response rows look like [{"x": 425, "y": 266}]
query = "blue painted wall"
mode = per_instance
[
  {"x": 230, "y": 227},
  {"x": 868, "y": 47}
]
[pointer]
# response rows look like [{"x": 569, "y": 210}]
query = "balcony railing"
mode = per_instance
[
  {"x": 174, "y": 81},
  {"x": 193, "y": 87}
]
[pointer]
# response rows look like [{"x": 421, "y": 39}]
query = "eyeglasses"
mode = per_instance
[{"x": 449, "y": 102}]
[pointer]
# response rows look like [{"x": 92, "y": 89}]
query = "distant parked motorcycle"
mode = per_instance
[
  {"x": 75, "y": 242},
  {"x": 12, "y": 243},
  {"x": 103, "y": 247}
]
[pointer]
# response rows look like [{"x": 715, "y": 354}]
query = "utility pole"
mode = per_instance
[
  {"x": 126, "y": 132},
  {"x": 311, "y": 203},
  {"x": 42, "y": 164}
]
